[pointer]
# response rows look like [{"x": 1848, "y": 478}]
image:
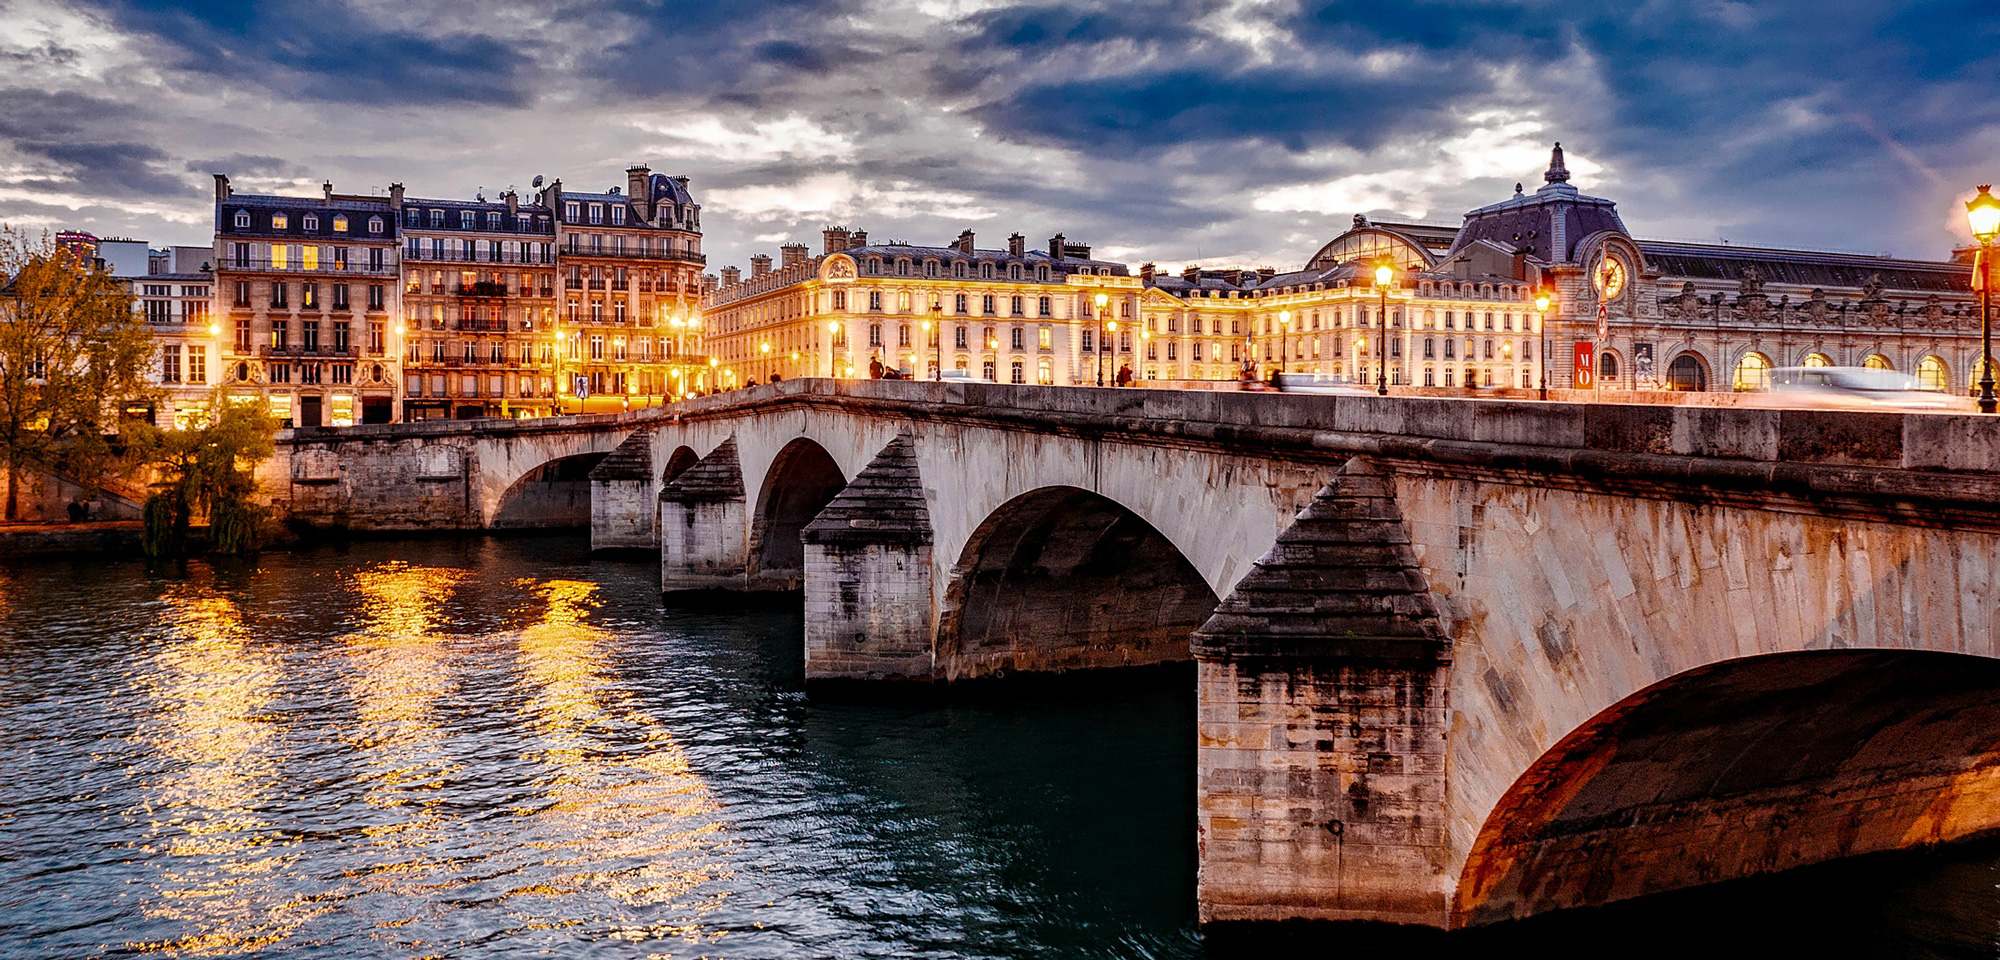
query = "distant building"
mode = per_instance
[{"x": 1014, "y": 315}]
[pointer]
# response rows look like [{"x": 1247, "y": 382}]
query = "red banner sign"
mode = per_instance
[{"x": 1586, "y": 364}]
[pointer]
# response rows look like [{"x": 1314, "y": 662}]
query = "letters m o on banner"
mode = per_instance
[{"x": 1586, "y": 363}]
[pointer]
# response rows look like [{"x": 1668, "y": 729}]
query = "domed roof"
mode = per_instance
[{"x": 668, "y": 189}]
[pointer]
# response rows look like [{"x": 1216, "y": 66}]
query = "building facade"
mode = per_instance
[
  {"x": 1015, "y": 315},
  {"x": 1625, "y": 312},
  {"x": 306, "y": 296},
  {"x": 175, "y": 296}
]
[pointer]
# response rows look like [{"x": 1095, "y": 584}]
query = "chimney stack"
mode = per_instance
[
  {"x": 639, "y": 187},
  {"x": 964, "y": 244},
  {"x": 396, "y": 196},
  {"x": 513, "y": 204},
  {"x": 1017, "y": 245},
  {"x": 1056, "y": 247},
  {"x": 1266, "y": 273},
  {"x": 760, "y": 265},
  {"x": 1146, "y": 274},
  {"x": 1192, "y": 274},
  {"x": 860, "y": 239},
  {"x": 731, "y": 276},
  {"x": 222, "y": 188},
  {"x": 833, "y": 240},
  {"x": 792, "y": 255}
]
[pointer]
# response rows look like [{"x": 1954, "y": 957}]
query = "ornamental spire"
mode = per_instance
[{"x": 1557, "y": 172}]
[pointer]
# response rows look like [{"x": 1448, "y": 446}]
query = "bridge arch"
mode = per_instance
[
  {"x": 554, "y": 495},
  {"x": 1742, "y": 767},
  {"x": 678, "y": 463},
  {"x": 802, "y": 479},
  {"x": 1061, "y": 578}
]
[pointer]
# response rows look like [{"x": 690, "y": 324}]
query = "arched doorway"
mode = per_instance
[
  {"x": 1687, "y": 372},
  {"x": 802, "y": 480},
  {"x": 1063, "y": 579},
  {"x": 1745, "y": 767},
  {"x": 1933, "y": 374},
  {"x": 554, "y": 495},
  {"x": 1753, "y": 372}
]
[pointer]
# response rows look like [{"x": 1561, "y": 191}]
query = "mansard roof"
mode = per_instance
[
  {"x": 543, "y": 221},
  {"x": 1805, "y": 268},
  {"x": 891, "y": 252},
  {"x": 296, "y": 209}
]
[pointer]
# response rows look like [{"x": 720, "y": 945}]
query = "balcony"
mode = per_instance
[
  {"x": 482, "y": 326},
  {"x": 482, "y": 288},
  {"x": 292, "y": 265},
  {"x": 298, "y": 351},
  {"x": 673, "y": 256}
]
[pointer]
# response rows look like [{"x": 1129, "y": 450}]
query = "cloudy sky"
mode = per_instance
[{"x": 1221, "y": 131}]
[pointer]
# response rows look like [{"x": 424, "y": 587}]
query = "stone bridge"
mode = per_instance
[{"x": 1517, "y": 656}]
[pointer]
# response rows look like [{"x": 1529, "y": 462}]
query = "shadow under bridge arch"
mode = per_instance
[
  {"x": 1063, "y": 579},
  {"x": 1745, "y": 767},
  {"x": 802, "y": 480},
  {"x": 555, "y": 495}
]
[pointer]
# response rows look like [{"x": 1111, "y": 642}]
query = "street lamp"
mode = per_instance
[
  {"x": 993, "y": 346},
  {"x": 935, "y": 328},
  {"x": 1542, "y": 301},
  {"x": 1983, "y": 212},
  {"x": 1103, "y": 304},
  {"x": 1284, "y": 341},
  {"x": 832, "y": 331},
  {"x": 1384, "y": 275}
]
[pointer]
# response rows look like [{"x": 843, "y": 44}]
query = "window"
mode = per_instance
[
  {"x": 840, "y": 300},
  {"x": 242, "y": 293},
  {"x": 875, "y": 300},
  {"x": 618, "y": 214},
  {"x": 1016, "y": 373},
  {"x": 958, "y": 302},
  {"x": 1932, "y": 374},
  {"x": 278, "y": 295},
  {"x": 309, "y": 295},
  {"x": 437, "y": 218},
  {"x": 1042, "y": 306},
  {"x": 571, "y": 211},
  {"x": 170, "y": 363},
  {"x": 958, "y": 337},
  {"x": 1089, "y": 341},
  {"x": 1042, "y": 274},
  {"x": 986, "y": 273},
  {"x": 1019, "y": 339},
  {"x": 986, "y": 304},
  {"x": 197, "y": 357},
  {"x": 930, "y": 268},
  {"x": 1045, "y": 337},
  {"x": 339, "y": 223},
  {"x": 281, "y": 373},
  {"x": 278, "y": 221},
  {"x": 374, "y": 296},
  {"x": 874, "y": 334},
  {"x": 597, "y": 213},
  {"x": 242, "y": 219},
  {"x": 1014, "y": 306}
]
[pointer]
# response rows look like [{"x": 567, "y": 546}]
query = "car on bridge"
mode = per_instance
[{"x": 1857, "y": 388}]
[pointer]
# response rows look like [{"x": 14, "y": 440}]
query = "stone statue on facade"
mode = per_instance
[{"x": 1752, "y": 283}]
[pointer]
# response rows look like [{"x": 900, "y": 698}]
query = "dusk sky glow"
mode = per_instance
[{"x": 1242, "y": 132}]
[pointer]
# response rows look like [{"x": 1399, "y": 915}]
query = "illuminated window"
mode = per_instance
[{"x": 1933, "y": 375}]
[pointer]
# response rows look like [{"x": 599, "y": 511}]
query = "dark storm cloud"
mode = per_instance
[
  {"x": 243, "y": 164},
  {"x": 746, "y": 52},
  {"x": 73, "y": 142},
  {"x": 325, "y": 50}
]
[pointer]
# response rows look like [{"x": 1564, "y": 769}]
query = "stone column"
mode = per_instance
[
  {"x": 1322, "y": 721},
  {"x": 870, "y": 613},
  {"x": 623, "y": 510},
  {"x": 704, "y": 526}
]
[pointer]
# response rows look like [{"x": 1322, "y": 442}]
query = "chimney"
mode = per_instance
[
  {"x": 792, "y": 255},
  {"x": 638, "y": 187},
  {"x": 1017, "y": 245},
  {"x": 860, "y": 239},
  {"x": 760, "y": 264},
  {"x": 396, "y": 196},
  {"x": 513, "y": 204},
  {"x": 731, "y": 276},
  {"x": 964, "y": 244},
  {"x": 222, "y": 189},
  {"x": 1056, "y": 247},
  {"x": 328, "y": 188},
  {"x": 1266, "y": 273},
  {"x": 1146, "y": 274},
  {"x": 833, "y": 240},
  {"x": 1192, "y": 273}
]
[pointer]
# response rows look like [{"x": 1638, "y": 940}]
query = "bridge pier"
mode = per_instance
[
  {"x": 623, "y": 516},
  {"x": 1323, "y": 723},
  {"x": 704, "y": 525},
  {"x": 868, "y": 577}
]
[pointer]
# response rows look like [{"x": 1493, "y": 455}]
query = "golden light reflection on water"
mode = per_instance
[
  {"x": 638, "y": 824},
  {"x": 223, "y": 863}
]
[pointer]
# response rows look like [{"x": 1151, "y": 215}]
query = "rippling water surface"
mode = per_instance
[{"x": 497, "y": 748}]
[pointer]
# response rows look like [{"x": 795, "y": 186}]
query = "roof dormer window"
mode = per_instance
[
  {"x": 279, "y": 221},
  {"x": 339, "y": 223},
  {"x": 310, "y": 222},
  {"x": 413, "y": 218},
  {"x": 375, "y": 225},
  {"x": 930, "y": 268},
  {"x": 493, "y": 220},
  {"x": 958, "y": 270},
  {"x": 572, "y": 211},
  {"x": 618, "y": 215},
  {"x": 465, "y": 219},
  {"x": 437, "y": 218},
  {"x": 597, "y": 213},
  {"x": 242, "y": 219},
  {"x": 985, "y": 271}
]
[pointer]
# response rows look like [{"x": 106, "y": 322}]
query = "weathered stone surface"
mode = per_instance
[
  {"x": 868, "y": 576},
  {"x": 704, "y": 526}
]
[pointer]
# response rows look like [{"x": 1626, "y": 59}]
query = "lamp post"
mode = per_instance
[
  {"x": 1542, "y": 325},
  {"x": 993, "y": 350},
  {"x": 1284, "y": 340},
  {"x": 1384, "y": 275},
  {"x": 1103, "y": 304},
  {"x": 935, "y": 328},
  {"x": 1983, "y": 212},
  {"x": 832, "y": 331}
]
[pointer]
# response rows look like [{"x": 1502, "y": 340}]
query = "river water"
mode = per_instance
[{"x": 498, "y": 748}]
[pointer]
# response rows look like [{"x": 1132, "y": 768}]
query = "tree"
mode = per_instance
[
  {"x": 207, "y": 470},
  {"x": 72, "y": 354}
]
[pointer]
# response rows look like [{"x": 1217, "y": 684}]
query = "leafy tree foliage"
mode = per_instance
[
  {"x": 72, "y": 354},
  {"x": 206, "y": 471}
]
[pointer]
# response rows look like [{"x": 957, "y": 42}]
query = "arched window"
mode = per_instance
[
  {"x": 1607, "y": 367},
  {"x": 1816, "y": 360},
  {"x": 1753, "y": 372},
  {"x": 1687, "y": 373},
  {"x": 1876, "y": 361},
  {"x": 1933, "y": 375}
]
